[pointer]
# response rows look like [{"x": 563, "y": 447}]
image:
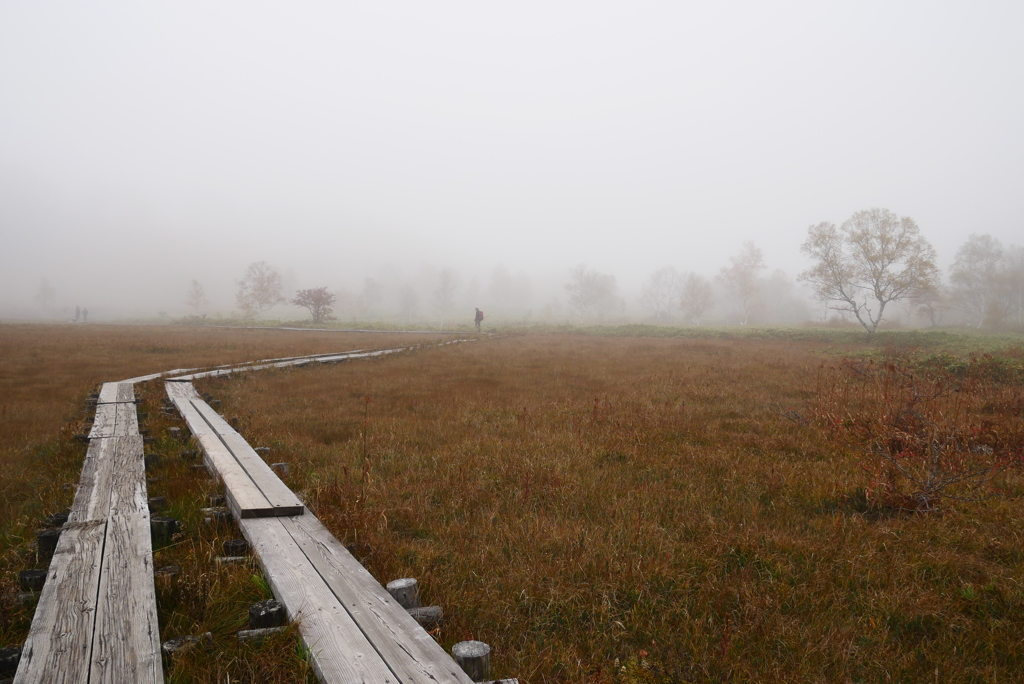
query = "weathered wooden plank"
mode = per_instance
[
  {"x": 104, "y": 422},
  {"x": 310, "y": 356},
  {"x": 58, "y": 645},
  {"x": 244, "y": 498},
  {"x": 339, "y": 650},
  {"x": 196, "y": 424},
  {"x": 180, "y": 391},
  {"x": 113, "y": 478},
  {"x": 212, "y": 418},
  {"x": 408, "y": 649},
  {"x": 282, "y": 500},
  {"x": 112, "y": 481},
  {"x": 116, "y": 392},
  {"x": 126, "y": 421},
  {"x": 126, "y": 641},
  {"x": 128, "y": 477},
  {"x": 126, "y": 392},
  {"x": 108, "y": 393},
  {"x": 143, "y": 378},
  {"x": 91, "y": 504},
  {"x": 182, "y": 394}
]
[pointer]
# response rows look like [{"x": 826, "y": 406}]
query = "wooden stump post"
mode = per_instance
[
  {"x": 429, "y": 617},
  {"x": 474, "y": 657},
  {"x": 57, "y": 519},
  {"x": 235, "y": 547},
  {"x": 255, "y": 636},
  {"x": 162, "y": 529},
  {"x": 9, "y": 658},
  {"x": 406, "y": 591},
  {"x": 172, "y": 646},
  {"x": 216, "y": 516},
  {"x": 46, "y": 543},
  {"x": 269, "y": 613},
  {"x": 166, "y": 577},
  {"x": 32, "y": 580}
]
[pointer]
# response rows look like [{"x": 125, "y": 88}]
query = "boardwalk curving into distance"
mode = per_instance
[
  {"x": 96, "y": 619},
  {"x": 354, "y": 630}
]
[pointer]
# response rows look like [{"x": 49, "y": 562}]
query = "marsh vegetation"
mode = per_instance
[{"x": 596, "y": 507}]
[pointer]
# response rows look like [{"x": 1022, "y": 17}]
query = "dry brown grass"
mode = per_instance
[
  {"x": 45, "y": 374},
  {"x": 596, "y": 508},
  {"x": 638, "y": 510}
]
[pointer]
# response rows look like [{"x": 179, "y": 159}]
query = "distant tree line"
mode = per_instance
[{"x": 874, "y": 263}]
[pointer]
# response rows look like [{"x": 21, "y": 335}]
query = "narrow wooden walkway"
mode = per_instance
[
  {"x": 354, "y": 630},
  {"x": 96, "y": 617},
  {"x": 251, "y": 487}
]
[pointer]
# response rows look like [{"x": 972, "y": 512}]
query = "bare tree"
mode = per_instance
[
  {"x": 444, "y": 293},
  {"x": 195, "y": 298},
  {"x": 740, "y": 279},
  {"x": 318, "y": 301},
  {"x": 45, "y": 296},
  {"x": 259, "y": 289},
  {"x": 975, "y": 278},
  {"x": 408, "y": 303},
  {"x": 661, "y": 292},
  {"x": 696, "y": 297},
  {"x": 873, "y": 259},
  {"x": 591, "y": 291}
]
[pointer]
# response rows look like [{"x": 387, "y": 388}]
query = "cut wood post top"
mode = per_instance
[
  {"x": 474, "y": 657},
  {"x": 406, "y": 592}
]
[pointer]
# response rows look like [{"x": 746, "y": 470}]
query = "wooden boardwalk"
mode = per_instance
[
  {"x": 251, "y": 487},
  {"x": 96, "y": 617},
  {"x": 354, "y": 630}
]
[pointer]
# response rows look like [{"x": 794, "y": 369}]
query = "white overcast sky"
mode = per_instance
[{"x": 143, "y": 144}]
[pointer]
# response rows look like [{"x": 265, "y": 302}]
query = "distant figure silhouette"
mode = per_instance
[
  {"x": 85, "y": 315},
  {"x": 78, "y": 313},
  {"x": 478, "y": 318}
]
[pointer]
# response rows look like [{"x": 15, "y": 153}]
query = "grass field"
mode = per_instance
[
  {"x": 46, "y": 372},
  {"x": 601, "y": 507}
]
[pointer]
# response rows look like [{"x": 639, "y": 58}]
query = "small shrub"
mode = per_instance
[{"x": 926, "y": 431}]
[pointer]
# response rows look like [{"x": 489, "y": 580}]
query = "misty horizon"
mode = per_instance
[{"x": 144, "y": 147}]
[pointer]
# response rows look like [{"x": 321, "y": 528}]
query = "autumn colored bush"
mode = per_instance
[{"x": 926, "y": 430}]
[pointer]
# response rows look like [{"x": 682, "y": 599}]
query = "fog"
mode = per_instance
[{"x": 144, "y": 145}]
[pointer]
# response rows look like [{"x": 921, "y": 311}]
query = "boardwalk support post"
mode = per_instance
[
  {"x": 406, "y": 592},
  {"x": 429, "y": 617},
  {"x": 46, "y": 543},
  {"x": 474, "y": 657},
  {"x": 269, "y": 613}
]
